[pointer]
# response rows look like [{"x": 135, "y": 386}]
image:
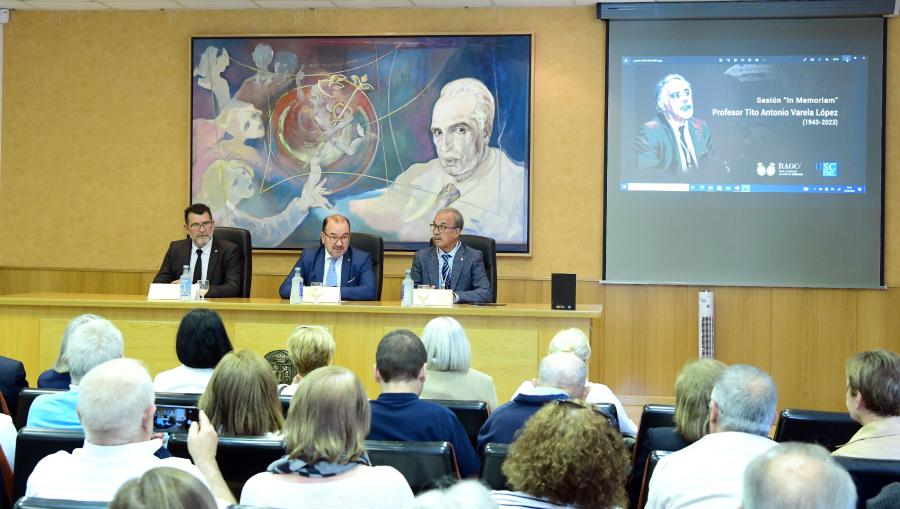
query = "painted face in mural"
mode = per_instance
[
  {"x": 247, "y": 124},
  {"x": 241, "y": 183},
  {"x": 459, "y": 140}
]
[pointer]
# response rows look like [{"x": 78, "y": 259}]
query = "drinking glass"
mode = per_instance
[
  {"x": 203, "y": 285},
  {"x": 315, "y": 289}
]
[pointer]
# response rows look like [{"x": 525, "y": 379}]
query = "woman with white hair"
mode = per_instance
[
  {"x": 576, "y": 341},
  {"x": 448, "y": 373},
  {"x": 57, "y": 377}
]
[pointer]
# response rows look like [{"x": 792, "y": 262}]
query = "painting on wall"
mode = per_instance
[{"x": 384, "y": 130}]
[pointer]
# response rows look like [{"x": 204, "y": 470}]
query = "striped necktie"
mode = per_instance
[{"x": 445, "y": 270}]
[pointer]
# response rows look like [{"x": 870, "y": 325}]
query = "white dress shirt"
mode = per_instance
[
  {"x": 206, "y": 250},
  {"x": 707, "y": 474},
  {"x": 182, "y": 379},
  {"x": 95, "y": 472},
  {"x": 363, "y": 487},
  {"x": 8, "y": 439}
]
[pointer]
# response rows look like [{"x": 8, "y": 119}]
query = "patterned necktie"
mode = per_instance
[
  {"x": 198, "y": 267},
  {"x": 689, "y": 162},
  {"x": 331, "y": 278},
  {"x": 445, "y": 270}
]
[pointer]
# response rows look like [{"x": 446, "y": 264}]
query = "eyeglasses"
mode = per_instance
[
  {"x": 334, "y": 238},
  {"x": 205, "y": 225},
  {"x": 440, "y": 228}
]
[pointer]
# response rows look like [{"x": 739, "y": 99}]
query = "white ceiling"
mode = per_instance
[{"x": 284, "y": 4}]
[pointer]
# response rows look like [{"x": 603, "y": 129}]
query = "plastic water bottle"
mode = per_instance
[
  {"x": 185, "y": 282},
  {"x": 406, "y": 291},
  {"x": 297, "y": 287}
]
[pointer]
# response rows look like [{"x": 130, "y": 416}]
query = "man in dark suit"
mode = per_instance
[
  {"x": 450, "y": 264},
  {"x": 217, "y": 261},
  {"x": 335, "y": 263},
  {"x": 12, "y": 380},
  {"x": 674, "y": 142}
]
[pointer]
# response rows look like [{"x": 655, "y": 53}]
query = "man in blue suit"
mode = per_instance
[
  {"x": 335, "y": 263},
  {"x": 450, "y": 264}
]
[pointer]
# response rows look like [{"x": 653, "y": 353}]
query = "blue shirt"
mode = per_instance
[
  {"x": 403, "y": 416},
  {"x": 55, "y": 410}
]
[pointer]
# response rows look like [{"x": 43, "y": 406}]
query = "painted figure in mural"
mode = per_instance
[
  {"x": 334, "y": 121},
  {"x": 226, "y": 182},
  {"x": 264, "y": 88},
  {"x": 227, "y": 137},
  {"x": 480, "y": 181},
  {"x": 213, "y": 62}
]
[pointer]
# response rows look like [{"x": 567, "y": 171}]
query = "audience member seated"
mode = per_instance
[
  {"x": 309, "y": 347},
  {"x": 567, "y": 456},
  {"x": 463, "y": 494},
  {"x": 692, "y": 389},
  {"x": 91, "y": 344},
  {"x": 164, "y": 487},
  {"x": 449, "y": 374},
  {"x": 8, "y": 440},
  {"x": 241, "y": 398},
  {"x": 575, "y": 341},
  {"x": 560, "y": 376},
  {"x": 116, "y": 407},
  {"x": 797, "y": 476},
  {"x": 12, "y": 380},
  {"x": 873, "y": 400},
  {"x": 200, "y": 344},
  {"x": 709, "y": 472},
  {"x": 326, "y": 463},
  {"x": 399, "y": 414},
  {"x": 57, "y": 377}
]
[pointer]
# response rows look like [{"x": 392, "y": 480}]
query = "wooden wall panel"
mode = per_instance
[
  {"x": 743, "y": 325},
  {"x": 813, "y": 333},
  {"x": 646, "y": 333}
]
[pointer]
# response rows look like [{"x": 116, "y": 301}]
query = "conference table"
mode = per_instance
[{"x": 507, "y": 340}]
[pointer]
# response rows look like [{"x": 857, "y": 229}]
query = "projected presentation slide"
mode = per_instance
[{"x": 744, "y": 123}]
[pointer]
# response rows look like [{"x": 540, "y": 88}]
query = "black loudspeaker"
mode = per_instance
[{"x": 562, "y": 291}]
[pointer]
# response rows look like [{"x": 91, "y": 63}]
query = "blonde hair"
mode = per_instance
[
  {"x": 876, "y": 374},
  {"x": 217, "y": 182},
  {"x": 164, "y": 487},
  {"x": 310, "y": 347},
  {"x": 692, "y": 389},
  {"x": 329, "y": 417},
  {"x": 447, "y": 346},
  {"x": 241, "y": 398},
  {"x": 573, "y": 341}
]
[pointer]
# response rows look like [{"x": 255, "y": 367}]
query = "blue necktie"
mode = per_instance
[
  {"x": 331, "y": 278},
  {"x": 445, "y": 271}
]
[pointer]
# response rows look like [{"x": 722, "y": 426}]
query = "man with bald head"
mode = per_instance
[
  {"x": 797, "y": 476},
  {"x": 335, "y": 263},
  {"x": 709, "y": 472},
  {"x": 116, "y": 408},
  {"x": 482, "y": 182},
  {"x": 561, "y": 376}
]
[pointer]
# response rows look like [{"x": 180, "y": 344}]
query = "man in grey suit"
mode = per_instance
[{"x": 450, "y": 264}]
